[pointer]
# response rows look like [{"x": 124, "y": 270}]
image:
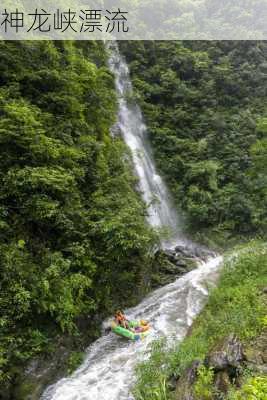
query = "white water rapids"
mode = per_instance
[{"x": 107, "y": 372}]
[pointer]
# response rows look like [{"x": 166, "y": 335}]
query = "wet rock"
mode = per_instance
[
  {"x": 226, "y": 355},
  {"x": 168, "y": 268},
  {"x": 194, "y": 252},
  {"x": 174, "y": 258},
  {"x": 185, "y": 251},
  {"x": 184, "y": 388},
  {"x": 170, "y": 254},
  {"x": 169, "y": 265},
  {"x": 180, "y": 262}
]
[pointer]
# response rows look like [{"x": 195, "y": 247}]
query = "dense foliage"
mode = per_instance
[
  {"x": 73, "y": 237},
  {"x": 237, "y": 306},
  {"x": 205, "y": 107},
  {"x": 74, "y": 244}
]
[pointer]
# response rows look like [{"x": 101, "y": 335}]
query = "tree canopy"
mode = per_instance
[
  {"x": 73, "y": 236},
  {"x": 205, "y": 107}
]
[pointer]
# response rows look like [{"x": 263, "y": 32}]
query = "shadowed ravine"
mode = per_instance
[{"x": 108, "y": 370}]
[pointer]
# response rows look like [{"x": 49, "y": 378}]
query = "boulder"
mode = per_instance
[
  {"x": 185, "y": 251},
  {"x": 169, "y": 268},
  {"x": 194, "y": 252},
  {"x": 226, "y": 355},
  {"x": 180, "y": 260},
  {"x": 169, "y": 265},
  {"x": 170, "y": 254}
]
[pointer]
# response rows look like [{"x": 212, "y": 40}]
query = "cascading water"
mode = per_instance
[
  {"x": 108, "y": 370},
  {"x": 161, "y": 212}
]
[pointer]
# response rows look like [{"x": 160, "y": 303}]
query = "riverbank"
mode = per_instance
[{"x": 223, "y": 356}]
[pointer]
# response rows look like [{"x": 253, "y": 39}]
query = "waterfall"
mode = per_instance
[
  {"x": 161, "y": 212},
  {"x": 107, "y": 372}
]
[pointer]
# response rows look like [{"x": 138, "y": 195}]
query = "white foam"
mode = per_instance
[{"x": 108, "y": 370}]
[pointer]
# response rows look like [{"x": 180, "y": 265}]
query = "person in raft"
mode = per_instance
[{"x": 121, "y": 320}]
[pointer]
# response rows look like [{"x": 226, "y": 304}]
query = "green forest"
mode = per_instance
[
  {"x": 73, "y": 237},
  {"x": 74, "y": 241},
  {"x": 205, "y": 106}
]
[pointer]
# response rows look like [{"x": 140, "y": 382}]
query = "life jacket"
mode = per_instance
[{"x": 143, "y": 322}]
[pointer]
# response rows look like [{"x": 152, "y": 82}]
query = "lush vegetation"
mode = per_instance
[
  {"x": 236, "y": 306},
  {"x": 73, "y": 237},
  {"x": 205, "y": 107},
  {"x": 74, "y": 244},
  {"x": 255, "y": 388}
]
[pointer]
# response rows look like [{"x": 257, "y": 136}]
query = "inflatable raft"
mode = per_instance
[{"x": 140, "y": 331}]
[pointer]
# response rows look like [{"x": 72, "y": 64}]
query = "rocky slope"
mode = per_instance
[
  {"x": 228, "y": 361},
  {"x": 224, "y": 354}
]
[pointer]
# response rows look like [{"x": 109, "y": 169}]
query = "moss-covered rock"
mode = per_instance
[{"x": 173, "y": 263}]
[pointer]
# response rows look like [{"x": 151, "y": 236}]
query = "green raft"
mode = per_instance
[{"x": 119, "y": 330}]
